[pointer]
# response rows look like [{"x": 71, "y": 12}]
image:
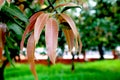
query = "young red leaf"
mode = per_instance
[
  {"x": 30, "y": 54},
  {"x": 73, "y": 27},
  {"x": 1, "y": 2},
  {"x": 69, "y": 38},
  {"x": 2, "y": 37},
  {"x": 39, "y": 25},
  {"x": 1, "y": 53},
  {"x": 27, "y": 30},
  {"x": 34, "y": 16},
  {"x": 1, "y": 43},
  {"x": 51, "y": 38},
  {"x": 30, "y": 27},
  {"x": 80, "y": 44},
  {"x": 41, "y": 2},
  {"x": 71, "y": 23}
]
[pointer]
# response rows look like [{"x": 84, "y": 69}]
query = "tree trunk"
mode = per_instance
[
  {"x": 101, "y": 52},
  {"x": 1, "y": 74},
  {"x": 2, "y": 69},
  {"x": 13, "y": 53},
  {"x": 84, "y": 55},
  {"x": 72, "y": 65}
]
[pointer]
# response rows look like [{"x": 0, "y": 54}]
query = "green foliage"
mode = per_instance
[
  {"x": 15, "y": 20},
  {"x": 15, "y": 29},
  {"x": 8, "y": 55},
  {"x": 100, "y": 24},
  {"x": 13, "y": 11}
]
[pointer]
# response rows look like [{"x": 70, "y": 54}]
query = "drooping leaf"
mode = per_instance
[
  {"x": 71, "y": 23},
  {"x": 30, "y": 54},
  {"x": 39, "y": 25},
  {"x": 74, "y": 29},
  {"x": 30, "y": 27},
  {"x": 1, "y": 2},
  {"x": 1, "y": 53},
  {"x": 34, "y": 16},
  {"x": 27, "y": 30},
  {"x": 51, "y": 38},
  {"x": 69, "y": 38},
  {"x": 1, "y": 43},
  {"x": 80, "y": 44},
  {"x": 2, "y": 37}
]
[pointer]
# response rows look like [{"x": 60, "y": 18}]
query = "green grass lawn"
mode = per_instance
[{"x": 98, "y": 70}]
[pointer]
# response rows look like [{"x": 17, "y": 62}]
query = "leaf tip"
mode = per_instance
[{"x": 52, "y": 58}]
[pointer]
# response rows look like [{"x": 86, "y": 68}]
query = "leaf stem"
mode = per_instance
[
  {"x": 52, "y": 5},
  {"x": 46, "y": 7}
]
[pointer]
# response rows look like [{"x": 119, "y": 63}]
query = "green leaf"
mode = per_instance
[
  {"x": 17, "y": 29},
  {"x": 9, "y": 42},
  {"x": 14, "y": 11},
  {"x": 8, "y": 55}
]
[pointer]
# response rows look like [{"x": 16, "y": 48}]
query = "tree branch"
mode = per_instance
[{"x": 50, "y": 4}]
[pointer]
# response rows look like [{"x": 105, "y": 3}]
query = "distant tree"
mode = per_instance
[{"x": 99, "y": 25}]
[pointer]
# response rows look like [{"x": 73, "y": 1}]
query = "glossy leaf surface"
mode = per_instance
[
  {"x": 30, "y": 27},
  {"x": 39, "y": 25},
  {"x": 51, "y": 37},
  {"x": 30, "y": 54},
  {"x": 69, "y": 38}
]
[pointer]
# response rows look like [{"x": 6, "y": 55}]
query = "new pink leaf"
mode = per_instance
[
  {"x": 1, "y": 2},
  {"x": 30, "y": 27},
  {"x": 41, "y": 2},
  {"x": 30, "y": 54},
  {"x": 74, "y": 29},
  {"x": 2, "y": 37},
  {"x": 51, "y": 37},
  {"x": 39, "y": 25},
  {"x": 71, "y": 23},
  {"x": 1, "y": 43},
  {"x": 34, "y": 16}
]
